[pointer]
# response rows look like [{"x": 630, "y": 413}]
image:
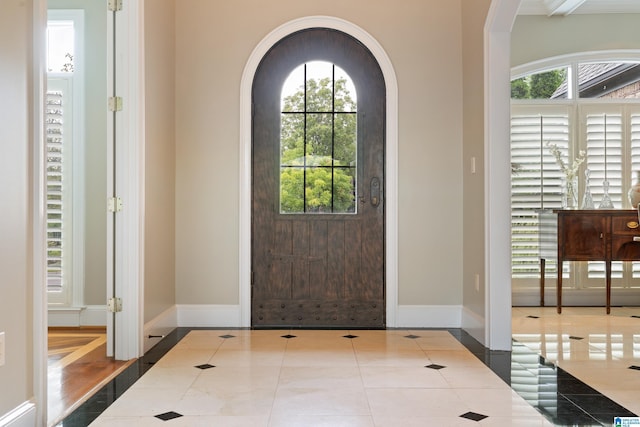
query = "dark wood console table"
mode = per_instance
[{"x": 596, "y": 235}]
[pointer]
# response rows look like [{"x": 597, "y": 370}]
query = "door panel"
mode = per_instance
[{"x": 318, "y": 269}]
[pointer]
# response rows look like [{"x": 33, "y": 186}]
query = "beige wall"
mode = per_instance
[
  {"x": 16, "y": 311},
  {"x": 423, "y": 39},
  {"x": 159, "y": 271},
  {"x": 538, "y": 37},
  {"x": 473, "y": 19}
]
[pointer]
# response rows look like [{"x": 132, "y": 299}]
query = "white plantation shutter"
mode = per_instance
[
  {"x": 604, "y": 130},
  {"x": 54, "y": 177},
  {"x": 59, "y": 139},
  {"x": 534, "y": 187}
]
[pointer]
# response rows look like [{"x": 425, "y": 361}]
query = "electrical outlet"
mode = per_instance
[
  {"x": 477, "y": 283},
  {"x": 1, "y": 348}
]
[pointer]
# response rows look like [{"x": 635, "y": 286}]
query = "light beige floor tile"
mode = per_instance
[
  {"x": 535, "y": 421},
  {"x": 406, "y": 421},
  {"x": 176, "y": 377},
  {"x": 140, "y": 401},
  {"x": 268, "y": 357},
  {"x": 440, "y": 343},
  {"x": 329, "y": 377},
  {"x": 228, "y": 402},
  {"x": 321, "y": 421},
  {"x": 497, "y": 403},
  {"x": 454, "y": 358},
  {"x": 185, "y": 421},
  {"x": 183, "y": 356},
  {"x": 320, "y": 401},
  {"x": 463, "y": 377},
  {"x": 412, "y": 402},
  {"x": 368, "y": 340},
  {"x": 320, "y": 357},
  {"x": 238, "y": 378},
  {"x": 391, "y": 357},
  {"x": 263, "y": 340},
  {"x": 402, "y": 377}
]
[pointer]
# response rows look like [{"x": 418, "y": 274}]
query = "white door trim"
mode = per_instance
[
  {"x": 391, "y": 160},
  {"x": 497, "y": 71},
  {"x": 38, "y": 213},
  {"x": 130, "y": 143}
]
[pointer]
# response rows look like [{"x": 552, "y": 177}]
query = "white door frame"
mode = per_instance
[
  {"x": 391, "y": 157},
  {"x": 497, "y": 74},
  {"x": 130, "y": 183}
]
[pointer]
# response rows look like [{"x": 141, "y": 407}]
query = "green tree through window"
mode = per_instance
[{"x": 318, "y": 146}]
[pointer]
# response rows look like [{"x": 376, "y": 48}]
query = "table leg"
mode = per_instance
[
  {"x": 608, "y": 279},
  {"x": 542, "y": 273},
  {"x": 559, "y": 286}
]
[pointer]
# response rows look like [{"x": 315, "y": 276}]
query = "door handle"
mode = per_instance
[{"x": 374, "y": 191}]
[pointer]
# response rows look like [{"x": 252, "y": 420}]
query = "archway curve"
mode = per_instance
[{"x": 391, "y": 163}]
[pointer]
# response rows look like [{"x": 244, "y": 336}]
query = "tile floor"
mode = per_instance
[
  {"x": 600, "y": 350},
  {"x": 319, "y": 378},
  {"x": 418, "y": 377}
]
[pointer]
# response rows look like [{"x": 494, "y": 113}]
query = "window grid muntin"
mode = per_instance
[{"x": 305, "y": 167}]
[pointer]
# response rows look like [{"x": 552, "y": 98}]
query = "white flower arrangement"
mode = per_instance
[{"x": 570, "y": 173}]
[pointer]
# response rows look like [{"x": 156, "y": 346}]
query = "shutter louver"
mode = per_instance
[
  {"x": 534, "y": 187},
  {"x": 54, "y": 195},
  {"x": 604, "y": 161}
]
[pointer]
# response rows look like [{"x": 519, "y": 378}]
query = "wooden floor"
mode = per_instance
[{"x": 77, "y": 368}]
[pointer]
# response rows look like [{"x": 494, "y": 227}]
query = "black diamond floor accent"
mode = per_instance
[
  {"x": 571, "y": 337},
  {"x": 204, "y": 366},
  {"x": 434, "y": 366},
  {"x": 636, "y": 367},
  {"x": 637, "y": 317},
  {"x": 227, "y": 336},
  {"x": 474, "y": 416},
  {"x": 168, "y": 416},
  {"x": 533, "y": 317},
  {"x": 350, "y": 336},
  {"x": 412, "y": 337},
  {"x": 289, "y": 336}
]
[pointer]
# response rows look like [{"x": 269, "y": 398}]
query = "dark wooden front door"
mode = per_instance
[{"x": 318, "y": 261}]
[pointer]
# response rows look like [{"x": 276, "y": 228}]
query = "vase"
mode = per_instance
[
  {"x": 570, "y": 193},
  {"x": 606, "y": 202},
  {"x": 587, "y": 199},
  {"x": 634, "y": 192}
]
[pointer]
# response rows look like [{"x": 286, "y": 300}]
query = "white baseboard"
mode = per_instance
[
  {"x": 474, "y": 325},
  {"x": 429, "y": 316},
  {"x": 208, "y": 315},
  {"x": 159, "y": 327},
  {"x": 530, "y": 297},
  {"x": 22, "y": 416},
  {"x": 90, "y": 315}
]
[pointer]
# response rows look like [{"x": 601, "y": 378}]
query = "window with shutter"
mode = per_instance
[
  {"x": 575, "y": 117},
  {"x": 62, "y": 115},
  {"x": 55, "y": 193},
  {"x": 536, "y": 181}
]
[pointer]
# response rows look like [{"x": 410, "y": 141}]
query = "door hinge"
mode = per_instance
[
  {"x": 253, "y": 277},
  {"x": 114, "y": 5},
  {"x": 114, "y": 204},
  {"x": 114, "y": 305},
  {"x": 115, "y": 103}
]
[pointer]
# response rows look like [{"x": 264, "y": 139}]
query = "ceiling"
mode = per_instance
[{"x": 567, "y": 7}]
